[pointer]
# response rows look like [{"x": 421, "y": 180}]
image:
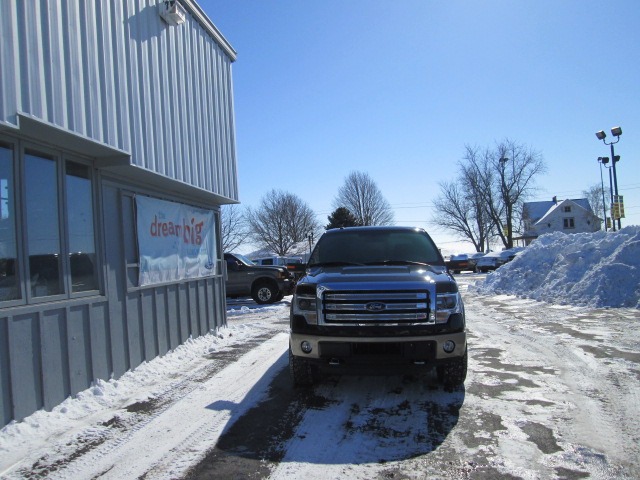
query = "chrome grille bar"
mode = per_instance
[
  {"x": 377, "y": 297},
  {"x": 376, "y": 317},
  {"x": 388, "y": 306},
  {"x": 376, "y": 307}
]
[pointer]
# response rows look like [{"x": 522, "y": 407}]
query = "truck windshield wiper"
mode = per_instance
[
  {"x": 396, "y": 262},
  {"x": 335, "y": 264}
]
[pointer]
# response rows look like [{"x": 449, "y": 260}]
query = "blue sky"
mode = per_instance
[{"x": 397, "y": 88}]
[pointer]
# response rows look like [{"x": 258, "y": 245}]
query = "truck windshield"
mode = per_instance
[
  {"x": 376, "y": 247},
  {"x": 243, "y": 259}
]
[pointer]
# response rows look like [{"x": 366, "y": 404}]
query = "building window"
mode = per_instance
[
  {"x": 43, "y": 225},
  {"x": 569, "y": 223},
  {"x": 567, "y": 209},
  {"x": 52, "y": 252},
  {"x": 82, "y": 250},
  {"x": 8, "y": 253}
]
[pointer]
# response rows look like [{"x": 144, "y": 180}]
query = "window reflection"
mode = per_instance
[
  {"x": 82, "y": 253},
  {"x": 43, "y": 233},
  {"x": 8, "y": 256}
]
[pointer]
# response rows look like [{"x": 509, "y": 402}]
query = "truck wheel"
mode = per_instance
[
  {"x": 264, "y": 293},
  {"x": 454, "y": 373},
  {"x": 302, "y": 373}
]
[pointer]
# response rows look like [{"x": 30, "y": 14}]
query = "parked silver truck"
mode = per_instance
[{"x": 372, "y": 298}]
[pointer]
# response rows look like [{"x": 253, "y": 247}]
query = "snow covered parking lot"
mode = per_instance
[{"x": 552, "y": 392}]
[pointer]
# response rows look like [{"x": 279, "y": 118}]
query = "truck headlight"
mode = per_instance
[
  {"x": 304, "y": 303},
  {"x": 447, "y": 304}
]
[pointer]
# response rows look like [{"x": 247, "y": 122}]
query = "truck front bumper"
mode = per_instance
[{"x": 422, "y": 350}]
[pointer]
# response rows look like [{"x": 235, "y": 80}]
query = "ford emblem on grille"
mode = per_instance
[{"x": 375, "y": 306}]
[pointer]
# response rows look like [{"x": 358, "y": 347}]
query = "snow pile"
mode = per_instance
[{"x": 595, "y": 270}]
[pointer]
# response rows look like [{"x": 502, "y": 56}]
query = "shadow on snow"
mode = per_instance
[{"x": 341, "y": 420}]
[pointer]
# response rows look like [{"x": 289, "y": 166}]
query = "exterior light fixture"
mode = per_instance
[
  {"x": 617, "y": 207},
  {"x": 172, "y": 12}
]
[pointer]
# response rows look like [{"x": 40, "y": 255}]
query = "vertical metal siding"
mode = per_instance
[
  {"x": 79, "y": 344},
  {"x": 55, "y": 374},
  {"x": 116, "y": 73},
  {"x": 25, "y": 364},
  {"x": 6, "y": 405},
  {"x": 101, "y": 359}
]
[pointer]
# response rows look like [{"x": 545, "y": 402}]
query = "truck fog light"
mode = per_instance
[
  {"x": 448, "y": 346},
  {"x": 306, "y": 347},
  {"x": 304, "y": 304}
]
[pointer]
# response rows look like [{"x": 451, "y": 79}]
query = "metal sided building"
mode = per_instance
[{"x": 117, "y": 149}]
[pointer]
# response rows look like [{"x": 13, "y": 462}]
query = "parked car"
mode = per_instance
[
  {"x": 457, "y": 263},
  {"x": 463, "y": 261},
  {"x": 473, "y": 259},
  {"x": 265, "y": 284},
  {"x": 494, "y": 260}
]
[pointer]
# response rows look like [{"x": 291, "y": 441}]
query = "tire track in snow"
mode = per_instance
[{"x": 164, "y": 448}]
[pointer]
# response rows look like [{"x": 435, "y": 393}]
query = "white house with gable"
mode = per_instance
[{"x": 568, "y": 216}]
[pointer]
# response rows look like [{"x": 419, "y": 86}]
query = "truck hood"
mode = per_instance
[
  {"x": 378, "y": 276},
  {"x": 267, "y": 268}
]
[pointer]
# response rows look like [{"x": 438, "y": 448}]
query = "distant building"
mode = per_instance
[{"x": 568, "y": 216}]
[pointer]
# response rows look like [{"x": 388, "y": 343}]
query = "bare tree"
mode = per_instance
[
  {"x": 505, "y": 179},
  {"x": 362, "y": 197},
  {"x": 233, "y": 226},
  {"x": 282, "y": 224},
  {"x": 459, "y": 208},
  {"x": 455, "y": 211},
  {"x": 599, "y": 199}
]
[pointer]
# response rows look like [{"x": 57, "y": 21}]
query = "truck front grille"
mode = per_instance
[{"x": 376, "y": 308}]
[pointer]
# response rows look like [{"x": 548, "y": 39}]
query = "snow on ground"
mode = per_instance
[{"x": 594, "y": 270}]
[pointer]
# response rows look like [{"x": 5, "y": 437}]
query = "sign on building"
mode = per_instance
[{"x": 175, "y": 241}]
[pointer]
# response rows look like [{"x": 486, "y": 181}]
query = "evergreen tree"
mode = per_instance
[{"x": 341, "y": 217}]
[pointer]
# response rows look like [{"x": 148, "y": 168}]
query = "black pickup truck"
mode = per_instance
[
  {"x": 264, "y": 284},
  {"x": 373, "y": 298}
]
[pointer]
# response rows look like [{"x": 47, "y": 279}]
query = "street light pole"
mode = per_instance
[
  {"x": 616, "y": 132},
  {"x": 310, "y": 238},
  {"x": 615, "y": 178},
  {"x": 507, "y": 201},
  {"x": 601, "y": 161}
]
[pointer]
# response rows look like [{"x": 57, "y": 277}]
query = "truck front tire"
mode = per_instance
[
  {"x": 302, "y": 372},
  {"x": 264, "y": 293},
  {"x": 453, "y": 373}
]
